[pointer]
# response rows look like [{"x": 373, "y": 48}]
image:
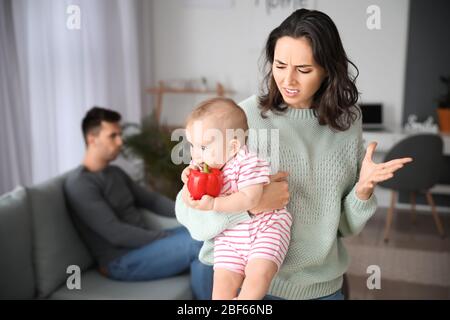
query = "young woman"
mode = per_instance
[{"x": 310, "y": 97}]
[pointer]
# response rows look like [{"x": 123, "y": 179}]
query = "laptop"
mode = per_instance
[{"x": 372, "y": 116}]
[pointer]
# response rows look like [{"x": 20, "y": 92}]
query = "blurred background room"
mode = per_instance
[{"x": 154, "y": 60}]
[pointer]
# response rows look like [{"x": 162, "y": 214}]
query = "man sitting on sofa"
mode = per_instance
[{"x": 105, "y": 203}]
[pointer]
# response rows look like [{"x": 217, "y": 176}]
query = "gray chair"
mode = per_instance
[{"x": 416, "y": 177}]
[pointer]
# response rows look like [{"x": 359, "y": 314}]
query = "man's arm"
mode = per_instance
[
  {"x": 153, "y": 201},
  {"x": 88, "y": 204}
]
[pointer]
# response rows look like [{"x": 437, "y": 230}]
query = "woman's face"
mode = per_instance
[{"x": 296, "y": 73}]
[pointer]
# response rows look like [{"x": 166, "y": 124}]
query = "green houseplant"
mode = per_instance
[
  {"x": 151, "y": 143},
  {"x": 444, "y": 107}
]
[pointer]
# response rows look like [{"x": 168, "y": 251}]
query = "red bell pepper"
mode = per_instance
[{"x": 209, "y": 182}]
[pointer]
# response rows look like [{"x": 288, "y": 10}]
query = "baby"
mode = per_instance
[{"x": 249, "y": 254}]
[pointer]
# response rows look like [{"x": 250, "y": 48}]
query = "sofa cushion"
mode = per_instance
[
  {"x": 156, "y": 221},
  {"x": 96, "y": 286},
  {"x": 16, "y": 264},
  {"x": 57, "y": 244}
]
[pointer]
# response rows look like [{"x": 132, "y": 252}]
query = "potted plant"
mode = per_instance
[
  {"x": 444, "y": 107},
  {"x": 151, "y": 143}
]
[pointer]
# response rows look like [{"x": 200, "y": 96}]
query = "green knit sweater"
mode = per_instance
[{"x": 323, "y": 168}]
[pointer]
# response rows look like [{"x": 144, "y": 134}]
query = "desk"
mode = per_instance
[{"x": 386, "y": 140}]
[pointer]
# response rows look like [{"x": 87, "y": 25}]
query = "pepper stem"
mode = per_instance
[{"x": 205, "y": 168}]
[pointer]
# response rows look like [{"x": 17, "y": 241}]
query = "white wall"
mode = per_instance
[{"x": 223, "y": 41}]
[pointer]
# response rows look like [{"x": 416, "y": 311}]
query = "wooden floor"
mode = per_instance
[{"x": 414, "y": 264}]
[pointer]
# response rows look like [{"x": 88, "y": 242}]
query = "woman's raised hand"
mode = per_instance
[{"x": 372, "y": 173}]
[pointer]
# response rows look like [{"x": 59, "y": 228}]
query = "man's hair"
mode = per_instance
[{"x": 92, "y": 121}]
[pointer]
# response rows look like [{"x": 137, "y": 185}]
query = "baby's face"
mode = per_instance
[{"x": 208, "y": 143}]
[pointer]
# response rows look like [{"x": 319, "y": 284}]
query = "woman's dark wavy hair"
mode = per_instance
[{"x": 334, "y": 103}]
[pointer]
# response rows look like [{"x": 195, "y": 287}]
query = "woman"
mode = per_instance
[{"x": 310, "y": 98}]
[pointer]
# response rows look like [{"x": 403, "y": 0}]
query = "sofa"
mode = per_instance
[{"x": 39, "y": 243}]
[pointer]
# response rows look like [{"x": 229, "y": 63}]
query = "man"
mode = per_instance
[{"x": 106, "y": 205}]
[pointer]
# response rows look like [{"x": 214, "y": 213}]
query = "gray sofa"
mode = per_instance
[{"x": 38, "y": 242}]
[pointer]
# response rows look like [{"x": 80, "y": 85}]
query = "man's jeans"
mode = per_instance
[{"x": 166, "y": 257}]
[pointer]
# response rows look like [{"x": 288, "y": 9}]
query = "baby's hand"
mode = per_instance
[
  {"x": 206, "y": 203},
  {"x": 185, "y": 173}
]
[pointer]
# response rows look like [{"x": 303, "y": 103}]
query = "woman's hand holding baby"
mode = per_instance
[{"x": 275, "y": 194}]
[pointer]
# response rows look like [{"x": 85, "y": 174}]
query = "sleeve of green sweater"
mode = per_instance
[
  {"x": 205, "y": 225},
  {"x": 356, "y": 212}
]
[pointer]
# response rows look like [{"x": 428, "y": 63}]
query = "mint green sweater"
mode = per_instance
[{"x": 323, "y": 168}]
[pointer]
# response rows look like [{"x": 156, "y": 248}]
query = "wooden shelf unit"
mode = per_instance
[{"x": 163, "y": 89}]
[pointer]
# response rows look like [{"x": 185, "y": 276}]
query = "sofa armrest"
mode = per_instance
[{"x": 154, "y": 221}]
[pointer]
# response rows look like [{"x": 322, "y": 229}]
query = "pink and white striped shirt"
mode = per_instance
[
  {"x": 243, "y": 170},
  {"x": 266, "y": 235}
]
